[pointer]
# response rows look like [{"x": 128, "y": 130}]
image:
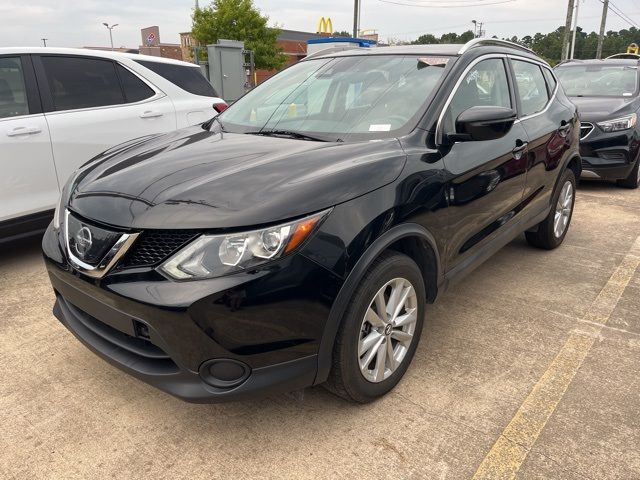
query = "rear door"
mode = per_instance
[
  {"x": 487, "y": 178},
  {"x": 92, "y": 104},
  {"x": 28, "y": 182},
  {"x": 549, "y": 124}
]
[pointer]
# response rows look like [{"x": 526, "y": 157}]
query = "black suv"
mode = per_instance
[
  {"x": 608, "y": 99},
  {"x": 295, "y": 239}
]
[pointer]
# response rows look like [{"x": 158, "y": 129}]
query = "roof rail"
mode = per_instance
[
  {"x": 624, "y": 56},
  {"x": 476, "y": 42}
]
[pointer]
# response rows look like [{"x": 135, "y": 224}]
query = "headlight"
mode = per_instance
[
  {"x": 622, "y": 123},
  {"x": 216, "y": 255}
]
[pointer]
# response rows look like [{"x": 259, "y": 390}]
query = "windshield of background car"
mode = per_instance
[
  {"x": 362, "y": 97},
  {"x": 598, "y": 80}
]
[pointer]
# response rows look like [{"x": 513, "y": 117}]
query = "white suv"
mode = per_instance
[{"x": 61, "y": 107}]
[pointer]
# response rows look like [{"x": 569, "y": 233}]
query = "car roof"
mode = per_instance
[
  {"x": 594, "y": 61},
  {"x": 487, "y": 45},
  {"x": 87, "y": 52}
]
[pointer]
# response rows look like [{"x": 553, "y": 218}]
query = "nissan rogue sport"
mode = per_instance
[{"x": 296, "y": 238}]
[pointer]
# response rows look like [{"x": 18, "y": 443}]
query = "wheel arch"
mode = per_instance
[{"x": 409, "y": 238}]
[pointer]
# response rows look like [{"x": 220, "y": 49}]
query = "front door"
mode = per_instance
[{"x": 486, "y": 178}]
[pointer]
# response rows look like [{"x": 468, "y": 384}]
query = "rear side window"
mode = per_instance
[
  {"x": 77, "y": 82},
  {"x": 135, "y": 90},
  {"x": 13, "y": 94},
  {"x": 532, "y": 88},
  {"x": 187, "y": 78}
]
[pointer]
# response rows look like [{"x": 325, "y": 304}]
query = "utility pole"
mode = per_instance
[
  {"x": 567, "y": 30},
  {"x": 603, "y": 22},
  {"x": 356, "y": 18},
  {"x": 44, "y": 41},
  {"x": 575, "y": 29}
]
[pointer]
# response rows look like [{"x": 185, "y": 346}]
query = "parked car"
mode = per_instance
[
  {"x": 276, "y": 251},
  {"x": 608, "y": 100},
  {"x": 60, "y": 107}
]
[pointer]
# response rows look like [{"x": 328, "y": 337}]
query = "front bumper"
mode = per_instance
[
  {"x": 608, "y": 156},
  {"x": 262, "y": 330}
]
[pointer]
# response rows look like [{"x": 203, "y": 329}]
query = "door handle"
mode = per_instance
[
  {"x": 564, "y": 129},
  {"x": 23, "y": 131},
  {"x": 151, "y": 114},
  {"x": 519, "y": 149}
]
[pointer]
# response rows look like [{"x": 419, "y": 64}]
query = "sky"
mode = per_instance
[{"x": 77, "y": 23}]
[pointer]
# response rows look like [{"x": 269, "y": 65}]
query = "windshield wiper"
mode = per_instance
[{"x": 288, "y": 133}]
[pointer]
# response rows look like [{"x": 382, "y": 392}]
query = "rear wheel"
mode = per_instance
[
  {"x": 380, "y": 330},
  {"x": 552, "y": 230},
  {"x": 633, "y": 180}
]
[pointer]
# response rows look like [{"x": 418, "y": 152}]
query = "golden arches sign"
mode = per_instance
[
  {"x": 325, "y": 25},
  {"x": 633, "y": 48}
]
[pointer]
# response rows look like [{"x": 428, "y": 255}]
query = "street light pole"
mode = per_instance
[
  {"x": 110, "y": 28},
  {"x": 603, "y": 22}
]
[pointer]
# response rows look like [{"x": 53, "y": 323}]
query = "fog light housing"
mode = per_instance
[{"x": 224, "y": 372}]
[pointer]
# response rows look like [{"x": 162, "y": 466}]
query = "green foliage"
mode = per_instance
[
  {"x": 446, "y": 38},
  {"x": 342, "y": 33},
  {"x": 549, "y": 45},
  {"x": 239, "y": 20}
]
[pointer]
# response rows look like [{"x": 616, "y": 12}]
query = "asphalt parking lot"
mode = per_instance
[{"x": 528, "y": 367}]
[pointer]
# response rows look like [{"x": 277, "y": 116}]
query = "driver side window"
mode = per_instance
[{"x": 484, "y": 85}]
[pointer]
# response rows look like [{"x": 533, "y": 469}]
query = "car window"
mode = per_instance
[
  {"x": 77, "y": 82},
  {"x": 485, "y": 84},
  {"x": 189, "y": 79},
  {"x": 532, "y": 88},
  {"x": 135, "y": 90},
  {"x": 368, "y": 96},
  {"x": 551, "y": 81},
  {"x": 13, "y": 94}
]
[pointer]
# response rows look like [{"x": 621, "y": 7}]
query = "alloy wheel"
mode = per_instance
[
  {"x": 387, "y": 330},
  {"x": 563, "y": 209}
]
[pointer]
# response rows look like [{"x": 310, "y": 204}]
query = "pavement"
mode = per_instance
[{"x": 528, "y": 368}]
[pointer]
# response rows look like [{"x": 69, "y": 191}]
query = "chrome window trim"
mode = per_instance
[{"x": 116, "y": 252}]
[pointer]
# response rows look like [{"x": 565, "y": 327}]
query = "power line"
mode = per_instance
[{"x": 617, "y": 11}]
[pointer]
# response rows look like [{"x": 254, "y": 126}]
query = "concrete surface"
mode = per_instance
[{"x": 494, "y": 383}]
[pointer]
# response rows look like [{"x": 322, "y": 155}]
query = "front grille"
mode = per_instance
[
  {"x": 153, "y": 246},
  {"x": 585, "y": 129}
]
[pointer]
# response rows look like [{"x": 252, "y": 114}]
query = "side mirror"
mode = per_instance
[{"x": 483, "y": 123}]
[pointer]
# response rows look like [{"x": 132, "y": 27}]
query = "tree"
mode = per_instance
[
  {"x": 342, "y": 33},
  {"x": 239, "y": 20}
]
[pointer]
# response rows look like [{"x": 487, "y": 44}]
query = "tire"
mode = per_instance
[
  {"x": 633, "y": 180},
  {"x": 347, "y": 379},
  {"x": 546, "y": 236}
]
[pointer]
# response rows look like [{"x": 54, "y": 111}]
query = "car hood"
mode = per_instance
[
  {"x": 596, "y": 109},
  {"x": 194, "y": 178}
]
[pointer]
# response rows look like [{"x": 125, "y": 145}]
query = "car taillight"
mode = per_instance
[{"x": 220, "y": 107}]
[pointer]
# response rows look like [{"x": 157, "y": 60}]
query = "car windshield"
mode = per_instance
[
  {"x": 359, "y": 97},
  {"x": 598, "y": 80}
]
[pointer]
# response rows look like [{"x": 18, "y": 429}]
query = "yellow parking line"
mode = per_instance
[{"x": 514, "y": 443}]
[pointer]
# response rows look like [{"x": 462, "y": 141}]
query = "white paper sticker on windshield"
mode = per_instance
[
  {"x": 626, "y": 94},
  {"x": 380, "y": 128}
]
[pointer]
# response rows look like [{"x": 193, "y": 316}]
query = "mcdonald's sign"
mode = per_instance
[
  {"x": 633, "y": 48},
  {"x": 325, "y": 26}
]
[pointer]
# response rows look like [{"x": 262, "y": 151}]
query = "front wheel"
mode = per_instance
[
  {"x": 552, "y": 230},
  {"x": 380, "y": 330}
]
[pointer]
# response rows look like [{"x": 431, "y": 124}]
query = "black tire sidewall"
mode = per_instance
[{"x": 390, "y": 267}]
